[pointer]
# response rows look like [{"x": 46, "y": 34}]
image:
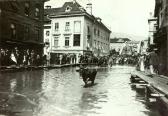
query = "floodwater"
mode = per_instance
[{"x": 61, "y": 92}]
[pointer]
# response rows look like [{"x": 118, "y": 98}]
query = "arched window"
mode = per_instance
[
  {"x": 13, "y": 30},
  {"x": 37, "y": 12},
  {"x": 26, "y": 11}
]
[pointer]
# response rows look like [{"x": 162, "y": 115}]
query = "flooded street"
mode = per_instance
[{"x": 61, "y": 92}]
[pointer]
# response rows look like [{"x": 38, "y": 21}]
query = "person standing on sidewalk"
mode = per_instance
[
  {"x": 141, "y": 63},
  {"x": 154, "y": 62}
]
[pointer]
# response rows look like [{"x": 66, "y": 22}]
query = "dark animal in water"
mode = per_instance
[{"x": 88, "y": 75}]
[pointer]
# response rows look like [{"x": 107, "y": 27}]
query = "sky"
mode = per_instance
[{"x": 121, "y": 16}]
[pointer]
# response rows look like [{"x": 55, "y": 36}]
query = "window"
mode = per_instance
[
  {"x": 26, "y": 32},
  {"x": 37, "y": 12},
  {"x": 88, "y": 30},
  {"x": 47, "y": 33},
  {"x": 36, "y": 34},
  {"x": 77, "y": 26},
  {"x": 66, "y": 41},
  {"x": 26, "y": 11},
  {"x": 94, "y": 31},
  {"x": 98, "y": 33},
  {"x": 76, "y": 40},
  {"x": 67, "y": 26},
  {"x": 56, "y": 41},
  {"x": 13, "y": 31},
  {"x": 56, "y": 26},
  {"x": 68, "y": 9}
]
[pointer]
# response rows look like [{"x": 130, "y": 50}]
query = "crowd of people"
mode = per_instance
[
  {"x": 15, "y": 56},
  {"x": 149, "y": 62},
  {"x": 25, "y": 57}
]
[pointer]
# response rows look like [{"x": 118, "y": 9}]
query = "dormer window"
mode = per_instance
[{"x": 68, "y": 9}]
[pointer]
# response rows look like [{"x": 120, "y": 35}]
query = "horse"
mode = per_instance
[{"x": 88, "y": 75}]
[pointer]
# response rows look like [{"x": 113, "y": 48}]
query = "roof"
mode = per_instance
[
  {"x": 76, "y": 10},
  {"x": 119, "y": 40},
  {"x": 133, "y": 42}
]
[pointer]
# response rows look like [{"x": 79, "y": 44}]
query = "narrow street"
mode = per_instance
[{"x": 60, "y": 92}]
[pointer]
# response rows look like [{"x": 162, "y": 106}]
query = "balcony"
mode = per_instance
[
  {"x": 56, "y": 32},
  {"x": 67, "y": 32}
]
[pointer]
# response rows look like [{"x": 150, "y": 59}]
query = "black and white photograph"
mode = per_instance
[{"x": 83, "y": 57}]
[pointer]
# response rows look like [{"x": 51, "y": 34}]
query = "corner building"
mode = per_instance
[{"x": 70, "y": 29}]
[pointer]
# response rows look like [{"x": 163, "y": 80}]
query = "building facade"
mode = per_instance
[
  {"x": 161, "y": 34},
  {"x": 132, "y": 48},
  {"x": 152, "y": 22},
  {"x": 72, "y": 30},
  {"x": 21, "y": 25}
]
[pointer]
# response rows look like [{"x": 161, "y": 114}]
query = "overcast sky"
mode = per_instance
[{"x": 123, "y": 16}]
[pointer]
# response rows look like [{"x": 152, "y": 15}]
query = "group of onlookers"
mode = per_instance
[
  {"x": 16, "y": 56},
  {"x": 149, "y": 62}
]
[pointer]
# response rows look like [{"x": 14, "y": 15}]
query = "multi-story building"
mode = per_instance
[
  {"x": 152, "y": 29},
  {"x": 70, "y": 29},
  {"x": 21, "y": 25},
  {"x": 161, "y": 35},
  {"x": 118, "y": 44}
]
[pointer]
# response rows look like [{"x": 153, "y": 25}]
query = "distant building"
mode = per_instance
[
  {"x": 132, "y": 47},
  {"x": 21, "y": 25},
  {"x": 161, "y": 35},
  {"x": 72, "y": 30},
  {"x": 118, "y": 44}
]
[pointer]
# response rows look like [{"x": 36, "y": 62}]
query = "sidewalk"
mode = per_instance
[
  {"x": 23, "y": 68},
  {"x": 158, "y": 82}
]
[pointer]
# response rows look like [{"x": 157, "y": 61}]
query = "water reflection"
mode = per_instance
[{"x": 60, "y": 92}]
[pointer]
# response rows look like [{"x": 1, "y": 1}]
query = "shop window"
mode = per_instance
[{"x": 76, "y": 40}]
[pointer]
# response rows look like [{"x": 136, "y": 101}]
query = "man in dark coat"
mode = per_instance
[{"x": 154, "y": 62}]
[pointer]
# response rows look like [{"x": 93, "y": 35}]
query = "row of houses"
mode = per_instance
[
  {"x": 72, "y": 29},
  {"x": 27, "y": 27},
  {"x": 158, "y": 34},
  {"x": 125, "y": 46}
]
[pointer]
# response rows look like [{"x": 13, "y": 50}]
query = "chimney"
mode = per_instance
[
  {"x": 89, "y": 8},
  {"x": 74, "y": 1},
  {"x": 48, "y": 7},
  {"x": 98, "y": 19}
]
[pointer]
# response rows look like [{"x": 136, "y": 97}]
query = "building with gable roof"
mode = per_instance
[
  {"x": 118, "y": 44},
  {"x": 70, "y": 29}
]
